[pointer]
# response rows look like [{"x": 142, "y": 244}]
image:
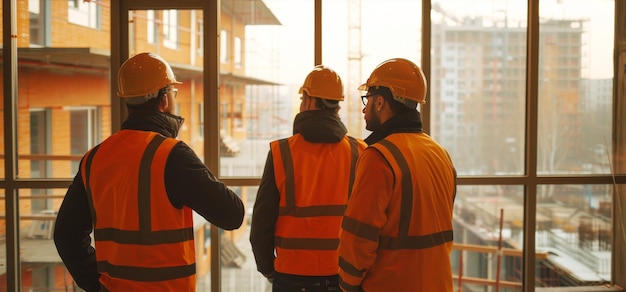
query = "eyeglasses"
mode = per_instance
[
  {"x": 174, "y": 91},
  {"x": 365, "y": 98}
]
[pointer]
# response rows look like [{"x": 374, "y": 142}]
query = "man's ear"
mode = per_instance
[{"x": 163, "y": 103}]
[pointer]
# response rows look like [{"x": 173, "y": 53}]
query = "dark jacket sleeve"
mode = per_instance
[
  {"x": 190, "y": 183},
  {"x": 264, "y": 217},
  {"x": 71, "y": 237}
]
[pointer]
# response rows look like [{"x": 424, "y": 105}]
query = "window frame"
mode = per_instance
[{"x": 11, "y": 184}]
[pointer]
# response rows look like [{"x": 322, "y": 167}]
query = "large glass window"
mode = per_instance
[
  {"x": 478, "y": 97},
  {"x": 477, "y": 109}
]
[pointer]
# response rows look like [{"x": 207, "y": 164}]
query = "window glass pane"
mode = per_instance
[
  {"x": 64, "y": 101},
  {"x": 576, "y": 234},
  {"x": 42, "y": 269},
  {"x": 575, "y": 86},
  {"x": 355, "y": 41},
  {"x": 239, "y": 272},
  {"x": 170, "y": 28},
  {"x": 488, "y": 218},
  {"x": 84, "y": 13},
  {"x": 259, "y": 99},
  {"x": 38, "y": 18},
  {"x": 477, "y": 84},
  {"x": 56, "y": 138}
]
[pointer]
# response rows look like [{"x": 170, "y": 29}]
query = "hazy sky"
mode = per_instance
[{"x": 391, "y": 28}]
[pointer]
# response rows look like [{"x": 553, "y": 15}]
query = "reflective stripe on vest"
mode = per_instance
[
  {"x": 150, "y": 236},
  {"x": 402, "y": 240}
]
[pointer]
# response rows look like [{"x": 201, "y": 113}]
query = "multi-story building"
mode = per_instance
[{"x": 478, "y": 81}]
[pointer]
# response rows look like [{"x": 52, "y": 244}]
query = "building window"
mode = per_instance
[
  {"x": 39, "y": 12},
  {"x": 152, "y": 27},
  {"x": 223, "y": 115},
  {"x": 207, "y": 240},
  {"x": 200, "y": 38},
  {"x": 84, "y": 132},
  {"x": 84, "y": 13},
  {"x": 170, "y": 28},
  {"x": 40, "y": 167},
  {"x": 201, "y": 120},
  {"x": 238, "y": 52},
  {"x": 238, "y": 115},
  {"x": 39, "y": 142},
  {"x": 224, "y": 47}
]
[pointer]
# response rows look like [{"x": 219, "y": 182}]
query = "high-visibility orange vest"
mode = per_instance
[
  {"x": 411, "y": 232},
  {"x": 142, "y": 242},
  {"x": 314, "y": 181}
]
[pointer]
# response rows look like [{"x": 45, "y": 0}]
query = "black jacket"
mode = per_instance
[
  {"x": 316, "y": 126},
  {"x": 188, "y": 183}
]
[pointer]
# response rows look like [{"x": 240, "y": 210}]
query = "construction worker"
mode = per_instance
[
  {"x": 397, "y": 228},
  {"x": 304, "y": 190},
  {"x": 136, "y": 192}
]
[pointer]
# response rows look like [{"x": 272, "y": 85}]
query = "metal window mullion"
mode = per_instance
[
  {"x": 211, "y": 78},
  {"x": 9, "y": 69},
  {"x": 530, "y": 187}
]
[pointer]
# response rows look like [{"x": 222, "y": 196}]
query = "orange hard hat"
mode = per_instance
[
  {"x": 405, "y": 80},
  {"x": 324, "y": 83},
  {"x": 143, "y": 75}
]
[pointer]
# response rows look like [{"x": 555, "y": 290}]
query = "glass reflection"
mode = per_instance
[
  {"x": 259, "y": 84},
  {"x": 478, "y": 83},
  {"x": 488, "y": 237},
  {"x": 577, "y": 235},
  {"x": 575, "y": 87}
]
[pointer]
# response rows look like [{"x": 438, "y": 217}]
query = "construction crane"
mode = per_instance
[{"x": 354, "y": 121}]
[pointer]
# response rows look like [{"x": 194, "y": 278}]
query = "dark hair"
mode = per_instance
[
  {"x": 152, "y": 104},
  {"x": 396, "y": 106},
  {"x": 327, "y": 104}
]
